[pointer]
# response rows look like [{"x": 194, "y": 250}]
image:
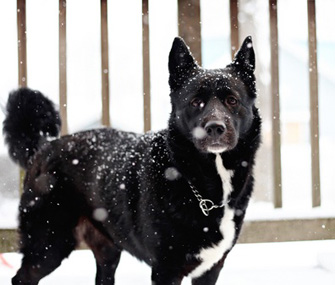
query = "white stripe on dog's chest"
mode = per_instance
[
  {"x": 226, "y": 176},
  {"x": 211, "y": 255}
]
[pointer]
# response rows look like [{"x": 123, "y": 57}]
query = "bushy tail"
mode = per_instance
[{"x": 30, "y": 119}]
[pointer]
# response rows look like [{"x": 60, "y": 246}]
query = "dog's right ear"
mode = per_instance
[{"x": 181, "y": 63}]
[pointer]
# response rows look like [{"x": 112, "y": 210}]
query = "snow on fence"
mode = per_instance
[{"x": 189, "y": 27}]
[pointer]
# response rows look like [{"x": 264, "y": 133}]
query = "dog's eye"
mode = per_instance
[
  {"x": 231, "y": 100},
  {"x": 198, "y": 103}
]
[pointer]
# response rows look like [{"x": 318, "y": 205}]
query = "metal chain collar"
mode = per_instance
[{"x": 206, "y": 205}]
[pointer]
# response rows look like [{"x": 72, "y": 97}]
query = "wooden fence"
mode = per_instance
[{"x": 189, "y": 28}]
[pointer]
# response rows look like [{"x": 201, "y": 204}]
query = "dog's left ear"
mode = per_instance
[
  {"x": 181, "y": 63},
  {"x": 245, "y": 56}
]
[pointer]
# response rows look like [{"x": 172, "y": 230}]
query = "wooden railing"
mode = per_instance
[{"x": 190, "y": 28}]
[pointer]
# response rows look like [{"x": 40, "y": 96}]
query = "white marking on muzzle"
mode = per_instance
[{"x": 216, "y": 149}]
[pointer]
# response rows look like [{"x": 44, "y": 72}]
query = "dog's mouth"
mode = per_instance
[
  {"x": 217, "y": 148},
  {"x": 208, "y": 146}
]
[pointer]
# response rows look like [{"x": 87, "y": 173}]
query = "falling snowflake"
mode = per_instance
[
  {"x": 199, "y": 133},
  {"x": 100, "y": 214},
  {"x": 171, "y": 173}
]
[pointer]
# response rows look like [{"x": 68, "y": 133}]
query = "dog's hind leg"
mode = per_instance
[
  {"x": 46, "y": 234},
  {"x": 42, "y": 254},
  {"x": 106, "y": 254}
]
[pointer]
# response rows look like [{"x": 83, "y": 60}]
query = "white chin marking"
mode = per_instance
[{"x": 216, "y": 149}]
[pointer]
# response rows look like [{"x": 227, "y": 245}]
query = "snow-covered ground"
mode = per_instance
[{"x": 289, "y": 263}]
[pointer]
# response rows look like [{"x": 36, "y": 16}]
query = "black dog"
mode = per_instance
[{"x": 175, "y": 199}]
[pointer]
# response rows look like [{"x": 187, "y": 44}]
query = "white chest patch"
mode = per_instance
[{"x": 211, "y": 255}]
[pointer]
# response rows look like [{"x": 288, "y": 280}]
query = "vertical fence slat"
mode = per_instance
[
  {"x": 189, "y": 26},
  {"x": 314, "y": 103},
  {"x": 22, "y": 42},
  {"x": 234, "y": 29},
  {"x": 105, "y": 119},
  {"x": 146, "y": 66},
  {"x": 62, "y": 66},
  {"x": 22, "y": 57},
  {"x": 276, "y": 137}
]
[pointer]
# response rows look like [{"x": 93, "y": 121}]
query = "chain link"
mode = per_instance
[{"x": 206, "y": 205}]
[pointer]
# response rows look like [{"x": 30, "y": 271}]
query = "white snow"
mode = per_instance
[
  {"x": 100, "y": 214},
  {"x": 199, "y": 133},
  {"x": 171, "y": 173},
  {"x": 290, "y": 263},
  {"x": 9, "y": 211}
]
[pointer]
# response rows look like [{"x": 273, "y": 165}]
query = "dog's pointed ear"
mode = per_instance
[
  {"x": 181, "y": 63},
  {"x": 245, "y": 56}
]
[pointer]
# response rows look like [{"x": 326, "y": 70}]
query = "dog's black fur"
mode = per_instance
[{"x": 121, "y": 191}]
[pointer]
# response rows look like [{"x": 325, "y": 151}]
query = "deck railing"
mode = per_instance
[{"x": 189, "y": 27}]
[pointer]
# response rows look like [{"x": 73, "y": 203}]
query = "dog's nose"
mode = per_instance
[{"x": 214, "y": 128}]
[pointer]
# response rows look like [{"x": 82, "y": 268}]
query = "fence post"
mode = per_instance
[
  {"x": 234, "y": 28},
  {"x": 22, "y": 42},
  {"x": 105, "y": 119},
  {"x": 62, "y": 66},
  {"x": 314, "y": 104},
  {"x": 22, "y": 57},
  {"x": 276, "y": 136},
  {"x": 146, "y": 66},
  {"x": 189, "y": 25}
]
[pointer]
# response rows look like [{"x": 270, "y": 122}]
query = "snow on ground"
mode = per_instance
[
  {"x": 289, "y": 263},
  {"x": 9, "y": 211}
]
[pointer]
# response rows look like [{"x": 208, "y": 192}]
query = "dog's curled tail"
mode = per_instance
[{"x": 31, "y": 119}]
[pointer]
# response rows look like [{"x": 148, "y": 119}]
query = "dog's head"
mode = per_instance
[{"x": 212, "y": 108}]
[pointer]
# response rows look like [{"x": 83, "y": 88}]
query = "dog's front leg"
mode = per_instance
[
  {"x": 211, "y": 276},
  {"x": 164, "y": 275}
]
